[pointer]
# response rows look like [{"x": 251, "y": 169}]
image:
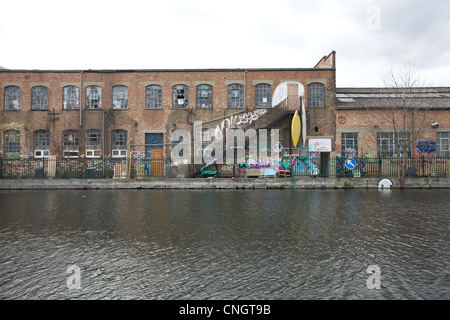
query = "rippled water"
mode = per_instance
[{"x": 243, "y": 244}]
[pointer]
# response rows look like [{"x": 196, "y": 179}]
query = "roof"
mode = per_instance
[
  {"x": 163, "y": 70},
  {"x": 368, "y": 98}
]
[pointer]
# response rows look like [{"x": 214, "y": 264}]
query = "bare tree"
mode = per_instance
[{"x": 407, "y": 106}]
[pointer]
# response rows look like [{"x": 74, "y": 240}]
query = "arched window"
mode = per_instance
[
  {"x": 153, "y": 97},
  {"x": 11, "y": 142},
  {"x": 120, "y": 97},
  {"x": 42, "y": 139},
  {"x": 316, "y": 96},
  {"x": 204, "y": 96},
  {"x": 39, "y": 98},
  {"x": 118, "y": 139},
  {"x": 263, "y": 94},
  {"x": 93, "y": 97},
  {"x": 93, "y": 139},
  {"x": 70, "y": 97},
  {"x": 180, "y": 94},
  {"x": 12, "y": 98},
  {"x": 70, "y": 139},
  {"x": 235, "y": 95}
]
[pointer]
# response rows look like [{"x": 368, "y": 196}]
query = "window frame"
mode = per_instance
[
  {"x": 234, "y": 101},
  {"x": 349, "y": 139},
  {"x": 205, "y": 102},
  {"x": 391, "y": 143},
  {"x": 40, "y": 104},
  {"x": 8, "y": 101},
  {"x": 262, "y": 91},
  {"x": 153, "y": 102},
  {"x": 175, "y": 89},
  {"x": 123, "y": 136},
  {"x": 123, "y": 100},
  {"x": 66, "y": 94},
  {"x": 41, "y": 139},
  {"x": 11, "y": 146},
  {"x": 89, "y": 142},
  {"x": 440, "y": 137},
  {"x": 67, "y": 143},
  {"x": 316, "y": 94},
  {"x": 89, "y": 101}
]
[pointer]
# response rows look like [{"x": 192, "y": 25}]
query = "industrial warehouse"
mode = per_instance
[{"x": 122, "y": 123}]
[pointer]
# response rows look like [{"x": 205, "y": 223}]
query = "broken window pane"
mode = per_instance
[
  {"x": 12, "y": 98},
  {"x": 180, "y": 96},
  {"x": 120, "y": 97},
  {"x": 70, "y": 98},
  {"x": 153, "y": 97},
  {"x": 204, "y": 96},
  {"x": 93, "y": 97},
  {"x": 39, "y": 98}
]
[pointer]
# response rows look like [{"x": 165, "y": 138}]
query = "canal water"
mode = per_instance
[{"x": 240, "y": 244}]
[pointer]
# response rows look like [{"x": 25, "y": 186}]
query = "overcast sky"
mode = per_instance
[{"x": 369, "y": 37}]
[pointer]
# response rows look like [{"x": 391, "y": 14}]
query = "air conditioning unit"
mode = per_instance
[
  {"x": 41, "y": 153},
  {"x": 119, "y": 153},
  {"x": 70, "y": 154},
  {"x": 93, "y": 153}
]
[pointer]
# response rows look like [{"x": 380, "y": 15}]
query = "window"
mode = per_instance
[
  {"x": 39, "y": 98},
  {"x": 204, "y": 96},
  {"x": 349, "y": 144},
  {"x": 41, "y": 139},
  {"x": 262, "y": 95},
  {"x": 387, "y": 144},
  {"x": 70, "y": 98},
  {"x": 12, "y": 141},
  {"x": 12, "y": 98},
  {"x": 235, "y": 96},
  {"x": 93, "y": 97},
  {"x": 120, "y": 97},
  {"x": 93, "y": 139},
  {"x": 153, "y": 97},
  {"x": 118, "y": 139},
  {"x": 316, "y": 95},
  {"x": 70, "y": 139},
  {"x": 180, "y": 95},
  {"x": 443, "y": 144}
]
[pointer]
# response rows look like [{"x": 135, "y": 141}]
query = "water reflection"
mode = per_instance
[{"x": 201, "y": 244}]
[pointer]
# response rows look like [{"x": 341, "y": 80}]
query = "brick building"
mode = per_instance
[
  {"x": 111, "y": 113},
  {"x": 369, "y": 121}
]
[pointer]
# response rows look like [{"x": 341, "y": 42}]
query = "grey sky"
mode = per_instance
[{"x": 370, "y": 37}]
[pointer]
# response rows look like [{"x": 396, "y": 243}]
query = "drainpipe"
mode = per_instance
[
  {"x": 81, "y": 89},
  {"x": 103, "y": 142}
]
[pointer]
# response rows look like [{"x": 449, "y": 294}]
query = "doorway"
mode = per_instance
[{"x": 154, "y": 154}]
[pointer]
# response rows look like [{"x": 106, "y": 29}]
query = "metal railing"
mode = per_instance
[
  {"x": 423, "y": 166},
  {"x": 115, "y": 168}
]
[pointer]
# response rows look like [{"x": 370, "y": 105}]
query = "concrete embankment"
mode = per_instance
[{"x": 255, "y": 183}]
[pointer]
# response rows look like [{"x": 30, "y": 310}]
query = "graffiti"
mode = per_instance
[
  {"x": 350, "y": 152},
  {"x": 245, "y": 118},
  {"x": 305, "y": 164},
  {"x": 278, "y": 147},
  {"x": 426, "y": 147},
  {"x": 320, "y": 145},
  {"x": 12, "y": 125},
  {"x": 227, "y": 168},
  {"x": 275, "y": 164}
]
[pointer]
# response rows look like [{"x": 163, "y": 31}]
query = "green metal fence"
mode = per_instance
[
  {"x": 423, "y": 166},
  {"x": 85, "y": 168}
]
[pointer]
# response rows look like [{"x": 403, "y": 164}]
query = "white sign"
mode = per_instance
[{"x": 319, "y": 145}]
